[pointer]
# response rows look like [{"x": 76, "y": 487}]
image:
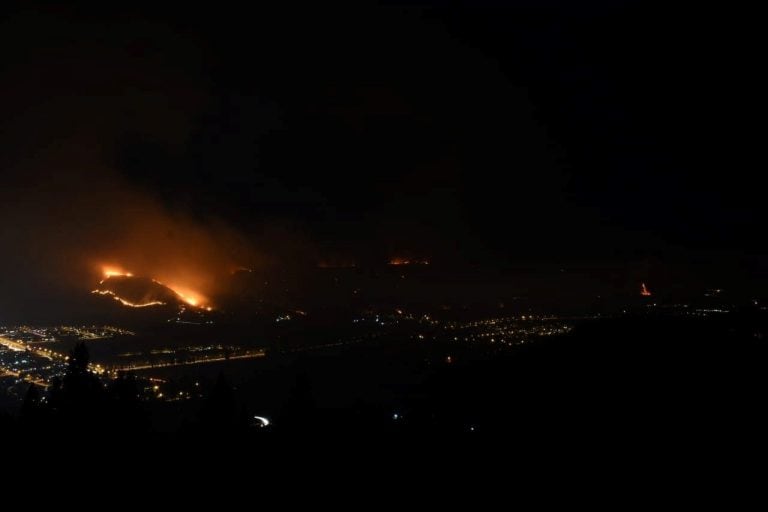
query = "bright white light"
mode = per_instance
[{"x": 264, "y": 421}]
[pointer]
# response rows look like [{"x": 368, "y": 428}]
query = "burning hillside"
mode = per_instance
[{"x": 140, "y": 292}]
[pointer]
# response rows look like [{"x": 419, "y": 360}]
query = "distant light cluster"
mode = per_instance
[
  {"x": 513, "y": 330},
  {"x": 408, "y": 261}
]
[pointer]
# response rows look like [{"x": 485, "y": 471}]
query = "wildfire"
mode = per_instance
[
  {"x": 644, "y": 291},
  {"x": 127, "y": 303},
  {"x": 110, "y": 271},
  {"x": 191, "y": 297}
]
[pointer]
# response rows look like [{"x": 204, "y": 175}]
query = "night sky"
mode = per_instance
[{"x": 524, "y": 133}]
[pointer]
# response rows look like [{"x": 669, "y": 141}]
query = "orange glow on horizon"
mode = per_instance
[
  {"x": 644, "y": 291},
  {"x": 406, "y": 261}
]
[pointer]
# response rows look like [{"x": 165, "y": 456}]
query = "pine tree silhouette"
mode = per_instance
[{"x": 81, "y": 397}]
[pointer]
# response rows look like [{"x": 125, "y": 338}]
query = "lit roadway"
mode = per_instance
[
  {"x": 13, "y": 345},
  {"x": 48, "y": 354},
  {"x": 22, "y": 347},
  {"x": 186, "y": 363}
]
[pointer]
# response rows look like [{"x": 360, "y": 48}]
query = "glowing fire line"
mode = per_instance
[
  {"x": 189, "y": 297},
  {"x": 114, "y": 272},
  {"x": 192, "y": 298},
  {"x": 127, "y": 303}
]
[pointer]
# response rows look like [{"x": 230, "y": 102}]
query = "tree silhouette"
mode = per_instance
[
  {"x": 81, "y": 396},
  {"x": 30, "y": 408},
  {"x": 125, "y": 409},
  {"x": 79, "y": 359}
]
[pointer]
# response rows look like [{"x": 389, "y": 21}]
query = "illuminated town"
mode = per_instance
[{"x": 39, "y": 354}]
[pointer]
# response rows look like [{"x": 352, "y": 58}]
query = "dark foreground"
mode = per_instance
[{"x": 627, "y": 380}]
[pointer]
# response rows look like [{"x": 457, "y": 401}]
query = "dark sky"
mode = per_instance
[{"x": 501, "y": 133}]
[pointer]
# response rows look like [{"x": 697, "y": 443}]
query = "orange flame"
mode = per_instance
[
  {"x": 128, "y": 303},
  {"x": 113, "y": 271},
  {"x": 191, "y": 297},
  {"x": 644, "y": 291}
]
